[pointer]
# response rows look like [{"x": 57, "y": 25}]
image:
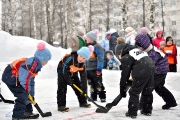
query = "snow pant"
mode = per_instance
[
  {"x": 161, "y": 90},
  {"x": 144, "y": 85},
  {"x": 18, "y": 91},
  {"x": 96, "y": 82},
  {"x": 172, "y": 68},
  {"x": 62, "y": 90}
]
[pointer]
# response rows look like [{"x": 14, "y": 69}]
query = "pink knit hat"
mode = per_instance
[{"x": 144, "y": 30}]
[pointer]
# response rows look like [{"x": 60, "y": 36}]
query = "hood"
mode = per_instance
[
  {"x": 115, "y": 34},
  {"x": 127, "y": 48},
  {"x": 159, "y": 32},
  {"x": 107, "y": 33}
]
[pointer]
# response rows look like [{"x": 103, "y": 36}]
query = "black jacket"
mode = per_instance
[
  {"x": 64, "y": 68},
  {"x": 139, "y": 66},
  {"x": 113, "y": 41}
]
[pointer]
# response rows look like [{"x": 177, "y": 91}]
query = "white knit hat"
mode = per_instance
[{"x": 129, "y": 29}]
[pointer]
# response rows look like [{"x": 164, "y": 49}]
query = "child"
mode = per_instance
[
  {"x": 171, "y": 52},
  {"x": 94, "y": 68},
  {"x": 67, "y": 70},
  {"x": 158, "y": 39},
  {"x": 142, "y": 68},
  {"x": 162, "y": 45},
  {"x": 19, "y": 77},
  {"x": 113, "y": 62},
  {"x": 161, "y": 63}
]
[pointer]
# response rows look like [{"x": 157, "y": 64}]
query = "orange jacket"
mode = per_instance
[{"x": 171, "y": 53}]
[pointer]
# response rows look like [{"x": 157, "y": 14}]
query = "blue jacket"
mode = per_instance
[
  {"x": 25, "y": 75},
  {"x": 97, "y": 62},
  {"x": 105, "y": 42}
]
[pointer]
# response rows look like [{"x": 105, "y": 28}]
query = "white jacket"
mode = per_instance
[{"x": 130, "y": 37}]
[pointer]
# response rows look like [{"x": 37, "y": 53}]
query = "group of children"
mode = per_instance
[{"x": 147, "y": 66}]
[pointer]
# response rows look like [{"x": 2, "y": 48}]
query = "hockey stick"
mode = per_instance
[
  {"x": 100, "y": 107},
  {"x": 113, "y": 103},
  {"x": 6, "y": 101},
  {"x": 46, "y": 114}
]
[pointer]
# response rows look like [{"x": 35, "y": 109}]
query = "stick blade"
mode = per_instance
[
  {"x": 98, "y": 110},
  {"x": 47, "y": 114}
]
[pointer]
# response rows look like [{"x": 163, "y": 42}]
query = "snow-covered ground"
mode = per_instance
[{"x": 14, "y": 47}]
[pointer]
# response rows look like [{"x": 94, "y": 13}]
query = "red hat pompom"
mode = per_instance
[{"x": 41, "y": 46}]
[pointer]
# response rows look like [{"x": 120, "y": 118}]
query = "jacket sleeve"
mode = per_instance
[
  {"x": 83, "y": 77},
  {"x": 66, "y": 69},
  {"x": 26, "y": 79},
  {"x": 100, "y": 58},
  {"x": 127, "y": 63}
]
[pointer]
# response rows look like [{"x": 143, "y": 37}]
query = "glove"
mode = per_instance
[
  {"x": 123, "y": 92},
  {"x": 98, "y": 73}
]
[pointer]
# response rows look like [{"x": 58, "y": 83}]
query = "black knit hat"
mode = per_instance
[{"x": 169, "y": 38}]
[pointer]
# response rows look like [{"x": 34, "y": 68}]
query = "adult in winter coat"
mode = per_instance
[
  {"x": 112, "y": 41},
  {"x": 105, "y": 41},
  {"x": 158, "y": 39},
  {"x": 171, "y": 52},
  {"x": 105, "y": 45},
  {"x": 94, "y": 68},
  {"x": 142, "y": 68},
  {"x": 67, "y": 70},
  {"x": 162, "y": 67},
  {"x": 130, "y": 35},
  {"x": 19, "y": 77}
]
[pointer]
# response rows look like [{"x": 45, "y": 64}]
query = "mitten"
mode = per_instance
[
  {"x": 98, "y": 73},
  {"x": 123, "y": 92}
]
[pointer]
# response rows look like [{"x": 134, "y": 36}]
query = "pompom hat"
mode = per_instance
[
  {"x": 144, "y": 30},
  {"x": 86, "y": 51},
  {"x": 42, "y": 53},
  {"x": 142, "y": 40}
]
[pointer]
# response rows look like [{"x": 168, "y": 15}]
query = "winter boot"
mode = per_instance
[
  {"x": 129, "y": 115},
  {"x": 102, "y": 96},
  {"x": 146, "y": 114},
  {"x": 30, "y": 115},
  {"x": 19, "y": 119},
  {"x": 93, "y": 96},
  {"x": 168, "y": 106},
  {"x": 85, "y": 105},
  {"x": 63, "y": 109},
  {"x": 0, "y": 100}
]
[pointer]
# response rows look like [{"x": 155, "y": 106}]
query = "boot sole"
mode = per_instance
[{"x": 63, "y": 111}]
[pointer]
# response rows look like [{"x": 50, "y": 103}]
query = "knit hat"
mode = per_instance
[
  {"x": 169, "y": 38},
  {"x": 86, "y": 51},
  {"x": 80, "y": 33},
  {"x": 42, "y": 53},
  {"x": 142, "y": 40},
  {"x": 121, "y": 32},
  {"x": 129, "y": 29},
  {"x": 144, "y": 30},
  {"x": 92, "y": 35}
]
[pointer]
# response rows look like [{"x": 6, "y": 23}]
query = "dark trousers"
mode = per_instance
[
  {"x": 161, "y": 90},
  {"x": 62, "y": 90},
  {"x": 96, "y": 82},
  {"x": 172, "y": 68},
  {"x": 144, "y": 85},
  {"x": 18, "y": 91}
]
